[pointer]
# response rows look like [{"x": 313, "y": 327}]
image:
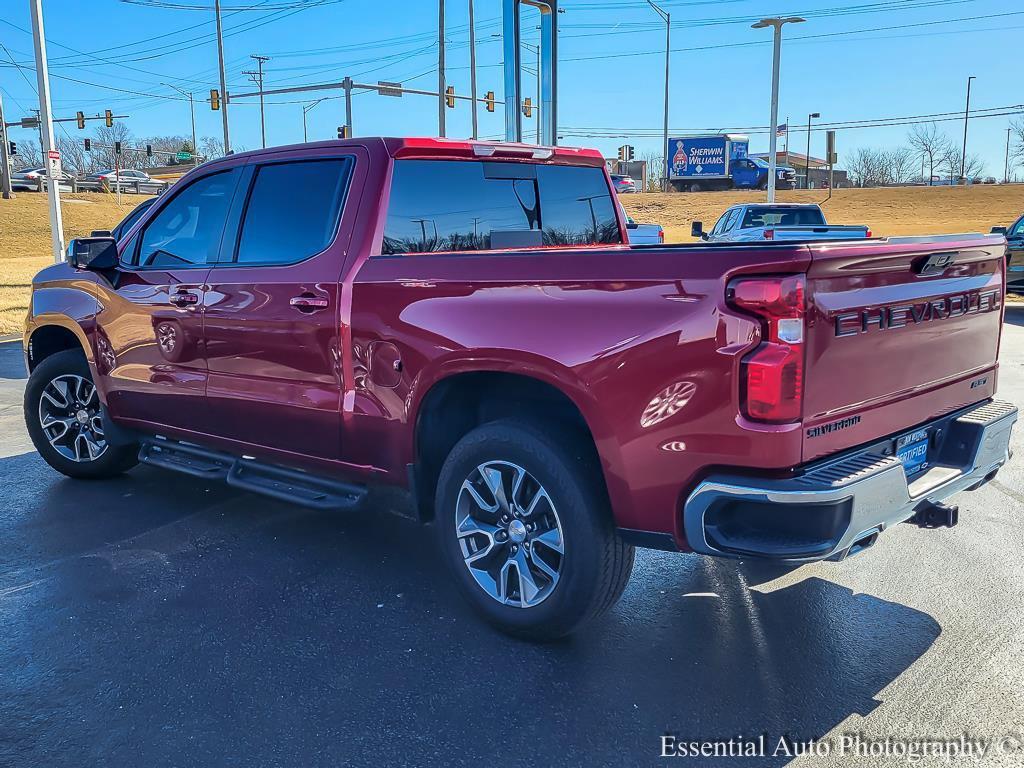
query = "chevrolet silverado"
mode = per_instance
[{"x": 466, "y": 321}]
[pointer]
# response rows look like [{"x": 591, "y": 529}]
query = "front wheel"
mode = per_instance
[
  {"x": 62, "y": 414},
  {"x": 525, "y": 526}
]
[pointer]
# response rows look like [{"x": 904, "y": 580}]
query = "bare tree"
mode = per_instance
[
  {"x": 901, "y": 163},
  {"x": 655, "y": 170},
  {"x": 103, "y": 141},
  {"x": 929, "y": 143},
  {"x": 1017, "y": 148},
  {"x": 74, "y": 158},
  {"x": 210, "y": 147},
  {"x": 950, "y": 162},
  {"x": 868, "y": 167},
  {"x": 29, "y": 154}
]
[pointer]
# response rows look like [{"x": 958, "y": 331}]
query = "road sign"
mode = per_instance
[
  {"x": 53, "y": 156},
  {"x": 30, "y": 122},
  {"x": 384, "y": 88},
  {"x": 183, "y": 157}
]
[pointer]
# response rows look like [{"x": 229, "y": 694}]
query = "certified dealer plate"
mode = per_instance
[{"x": 912, "y": 450}]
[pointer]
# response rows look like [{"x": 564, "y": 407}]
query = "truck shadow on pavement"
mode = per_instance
[{"x": 156, "y": 620}]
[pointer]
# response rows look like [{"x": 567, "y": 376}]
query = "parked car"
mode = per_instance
[
  {"x": 1014, "y": 253},
  {"x": 127, "y": 178},
  {"x": 623, "y": 184},
  {"x": 466, "y": 322},
  {"x": 27, "y": 179},
  {"x": 776, "y": 221}
]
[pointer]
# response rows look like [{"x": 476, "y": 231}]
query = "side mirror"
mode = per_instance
[
  {"x": 998, "y": 230},
  {"x": 631, "y": 224},
  {"x": 697, "y": 230},
  {"x": 94, "y": 253}
]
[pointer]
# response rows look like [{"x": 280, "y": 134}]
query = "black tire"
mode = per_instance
[
  {"x": 762, "y": 184},
  {"x": 113, "y": 460},
  {"x": 596, "y": 563},
  {"x": 696, "y": 187}
]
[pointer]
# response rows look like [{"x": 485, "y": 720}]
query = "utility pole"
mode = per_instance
[
  {"x": 807, "y": 157},
  {"x": 346, "y": 84},
  {"x": 472, "y": 68},
  {"x": 192, "y": 109},
  {"x": 967, "y": 111},
  {"x": 257, "y": 77},
  {"x": 1006, "y": 163},
  {"x": 664, "y": 137},
  {"x": 776, "y": 24},
  {"x": 223, "y": 78},
  {"x": 440, "y": 69},
  {"x": 5, "y": 158},
  {"x": 52, "y": 164}
]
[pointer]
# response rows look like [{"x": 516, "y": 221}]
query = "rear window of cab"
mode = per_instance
[{"x": 458, "y": 205}]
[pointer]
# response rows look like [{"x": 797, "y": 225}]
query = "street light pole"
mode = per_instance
[
  {"x": 967, "y": 111},
  {"x": 223, "y": 78},
  {"x": 472, "y": 69},
  {"x": 305, "y": 110},
  {"x": 776, "y": 24},
  {"x": 440, "y": 69},
  {"x": 1006, "y": 162},
  {"x": 664, "y": 138},
  {"x": 192, "y": 109},
  {"x": 46, "y": 131},
  {"x": 807, "y": 157}
]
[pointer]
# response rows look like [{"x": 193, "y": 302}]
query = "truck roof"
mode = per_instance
[{"x": 432, "y": 147}]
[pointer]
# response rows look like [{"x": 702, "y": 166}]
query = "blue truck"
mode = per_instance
[{"x": 719, "y": 161}]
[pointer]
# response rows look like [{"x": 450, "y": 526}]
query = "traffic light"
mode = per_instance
[
  {"x": 449, "y": 96},
  {"x": 214, "y": 98},
  {"x": 489, "y": 99},
  {"x": 108, "y": 118},
  {"x": 149, "y": 150},
  {"x": 626, "y": 153},
  {"x": 80, "y": 116},
  {"x": 117, "y": 147},
  {"x": 13, "y": 148},
  {"x": 343, "y": 132},
  {"x": 528, "y": 106},
  {"x": 88, "y": 145}
]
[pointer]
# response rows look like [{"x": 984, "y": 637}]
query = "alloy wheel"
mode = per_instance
[
  {"x": 509, "y": 534},
  {"x": 69, "y": 413}
]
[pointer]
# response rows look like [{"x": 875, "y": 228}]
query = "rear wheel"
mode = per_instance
[
  {"x": 62, "y": 414},
  {"x": 696, "y": 187},
  {"x": 524, "y": 524}
]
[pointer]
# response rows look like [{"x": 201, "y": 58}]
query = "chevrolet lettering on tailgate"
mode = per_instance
[{"x": 901, "y": 315}]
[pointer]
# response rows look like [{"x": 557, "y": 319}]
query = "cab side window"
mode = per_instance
[{"x": 187, "y": 231}]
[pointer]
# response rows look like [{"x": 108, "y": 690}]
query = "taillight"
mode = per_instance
[
  {"x": 661, "y": 235},
  {"x": 769, "y": 234},
  {"x": 772, "y": 376},
  {"x": 868, "y": 234}
]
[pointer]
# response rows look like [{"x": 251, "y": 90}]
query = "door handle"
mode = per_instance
[
  {"x": 307, "y": 303},
  {"x": 183, "y": 299}
]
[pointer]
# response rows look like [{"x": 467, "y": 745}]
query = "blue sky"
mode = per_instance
[{"x": 859, "y": 60}]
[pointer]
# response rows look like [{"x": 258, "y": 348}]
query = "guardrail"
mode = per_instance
[{"x": 137, "y": 187}]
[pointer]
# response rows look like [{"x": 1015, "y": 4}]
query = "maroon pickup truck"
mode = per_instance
[{"x": 467, "y": 321}]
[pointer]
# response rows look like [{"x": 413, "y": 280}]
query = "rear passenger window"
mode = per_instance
[
  {"x": 293, "y": 211},
  {"x": 455, "y": 205}
]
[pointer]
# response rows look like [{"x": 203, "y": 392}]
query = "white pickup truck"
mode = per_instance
[{"x": 776, "y": 221}]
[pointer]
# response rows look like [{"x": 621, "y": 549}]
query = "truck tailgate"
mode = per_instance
[{"x": 898, "y": 332}]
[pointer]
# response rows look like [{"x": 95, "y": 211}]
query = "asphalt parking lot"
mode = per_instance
[{"x": 157, "y": 621}]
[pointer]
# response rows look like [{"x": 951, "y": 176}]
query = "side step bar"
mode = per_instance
[{"x": 281, "y": 483}]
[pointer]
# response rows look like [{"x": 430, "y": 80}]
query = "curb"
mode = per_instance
[{"x": 9, "y": 338}]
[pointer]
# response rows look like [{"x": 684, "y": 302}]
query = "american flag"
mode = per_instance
[{"x": 782, "y": 130}]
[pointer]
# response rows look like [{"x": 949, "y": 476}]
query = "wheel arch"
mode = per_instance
[
  {"x": 463, "y": 398},
  {"x": 51, "y": 335}
]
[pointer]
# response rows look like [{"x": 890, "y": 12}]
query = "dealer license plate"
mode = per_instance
[{"x": 912, "y": 450}]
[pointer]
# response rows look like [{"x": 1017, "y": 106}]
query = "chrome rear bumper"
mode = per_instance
[{"x": 835, "y": 507}]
